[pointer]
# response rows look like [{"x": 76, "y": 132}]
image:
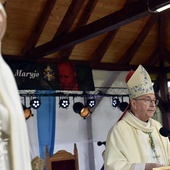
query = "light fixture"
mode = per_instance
[
  {"x": 123, "y": 105},
  {"x": 35, "y": 103},
  {"x": 91, "y": 103},
  {"x": 81, "y": 109},
  {"x": 115, "y": 102},
  {"x": 27, "y": 112},
  {"x": 158, "y": 5},
  {"x": 163, "y": 8},
  {"x": 64, "y": 103}
]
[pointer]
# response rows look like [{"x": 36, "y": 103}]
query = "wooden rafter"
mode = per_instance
[
  {"x": 128, "y": 56},
  {"x": 103, "y": 25},
  {"x": 35, "y": 35},
  {"x": 64, "y": 54}
]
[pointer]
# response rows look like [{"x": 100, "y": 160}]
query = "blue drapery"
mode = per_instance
[{"x": 46, "y": 124}]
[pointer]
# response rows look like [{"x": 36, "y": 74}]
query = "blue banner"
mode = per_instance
[{"x": 46, "y": 117}]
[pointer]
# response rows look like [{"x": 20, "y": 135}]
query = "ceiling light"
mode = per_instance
[
  {"x": 35, "y": 103},
  {"x": 91, "y": 103},
  {"x": 158, "y": 6},
  {"x": 64, "y": 103},
  {"x": 81, "y": 109},
  {"x": 163, "y": 8}
]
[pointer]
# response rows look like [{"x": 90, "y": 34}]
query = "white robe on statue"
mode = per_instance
[
  {"x": 128, "y": 145},
  {"x": 14, "y": 145}
]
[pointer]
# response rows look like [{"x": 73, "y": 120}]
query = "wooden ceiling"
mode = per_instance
[{"x": 107, "y": 34}]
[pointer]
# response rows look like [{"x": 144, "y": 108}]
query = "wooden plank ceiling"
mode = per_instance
[{"x": 108, "y": 35}]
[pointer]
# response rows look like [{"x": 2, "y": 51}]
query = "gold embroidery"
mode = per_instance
[{"x": 152, "y": 144}]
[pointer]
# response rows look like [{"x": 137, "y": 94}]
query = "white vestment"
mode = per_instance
[
  {"x": 128, "y": 145},
  {"x": 14, "y": 145}
]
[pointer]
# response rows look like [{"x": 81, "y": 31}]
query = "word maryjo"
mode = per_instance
[{"x": 31, "y": 75}]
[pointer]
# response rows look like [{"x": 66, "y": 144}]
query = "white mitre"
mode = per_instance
[{"x": 139, "y": 82}]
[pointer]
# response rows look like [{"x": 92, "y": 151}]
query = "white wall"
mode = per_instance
[{"x": 71, "y": 128}]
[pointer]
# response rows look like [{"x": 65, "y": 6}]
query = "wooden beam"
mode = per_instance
[
  {"x": 165, "y": 110},
  {"x": 69, "y": 17},
  {"x": 103, "y": 46},
  {"x": 153, "y": 58},
  {"x": 166, "y": 55},
  {"x": 64, "y": 54},
  {"x": 130, "y": 53},
  {"x": 35, "y": 35},
  {"x": 94, "y": 65},
  {"x": 111, "y": 22}
]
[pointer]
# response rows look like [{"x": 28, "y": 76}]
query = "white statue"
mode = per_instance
[
  {"x": 37, "y": 163},
  {"x": 14, "y": 145}
]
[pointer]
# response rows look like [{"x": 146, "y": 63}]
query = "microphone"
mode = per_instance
[
  {"x": 164, "y": 132},
  {"x": 99, "y": 143}
]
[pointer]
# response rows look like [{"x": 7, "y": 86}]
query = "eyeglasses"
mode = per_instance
[{"x": 149, "y": 101}]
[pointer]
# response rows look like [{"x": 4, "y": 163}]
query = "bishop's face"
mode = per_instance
[{"x": 144, "y": 106}]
